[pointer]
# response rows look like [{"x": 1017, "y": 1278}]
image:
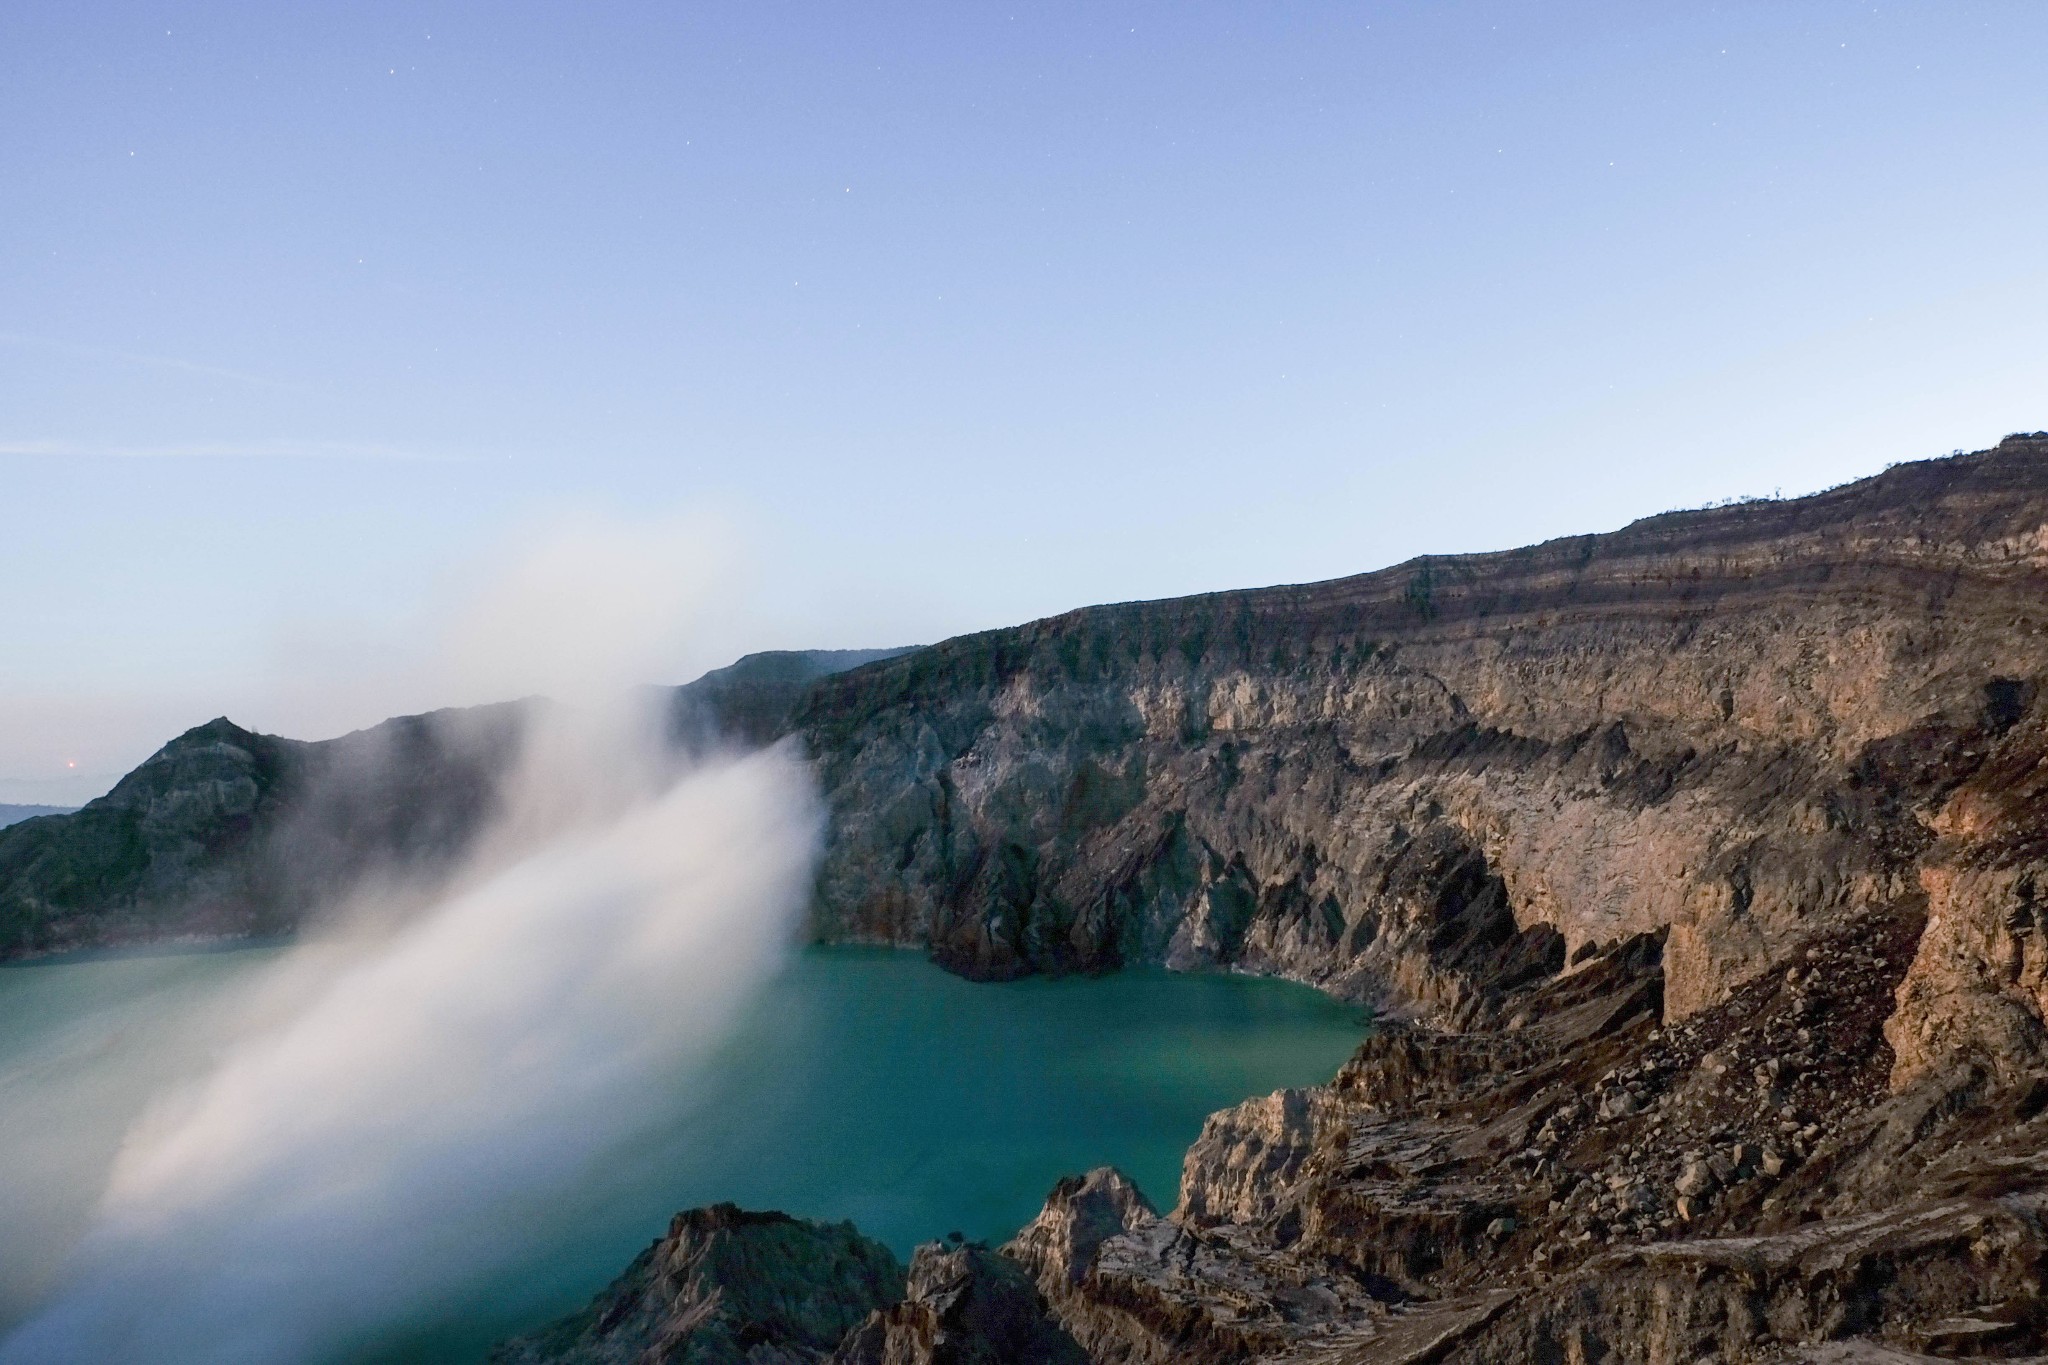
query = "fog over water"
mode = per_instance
[
  {"x": 453, "y": 1109},
  {"x": 403, "y": 1100},
  {"x": 403, "y": 1111}
]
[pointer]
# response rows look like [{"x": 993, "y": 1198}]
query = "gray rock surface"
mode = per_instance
[
  {"x": 1418, "y": 786},
  {"x": 225, "y": 833},
  {"x": 966, "y": 1305},
  {"x": 726, "y": 1286}
]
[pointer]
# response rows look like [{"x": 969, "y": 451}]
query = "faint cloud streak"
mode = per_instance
[{"x": 281, "y": 449}]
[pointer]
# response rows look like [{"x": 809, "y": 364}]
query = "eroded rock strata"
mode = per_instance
[
  {"x": 1419, "y": 785},
  {"x": 1700, "y": 873}
]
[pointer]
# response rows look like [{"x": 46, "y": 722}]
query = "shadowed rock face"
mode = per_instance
[
  {"x": 966, "y": 1305},
  {"x": 225, "y": 833},
  {"x": 751, "y": 703},
  {"x": 726, "y": 1286},
  {"x": 1421, "y": 786},
  {"x": 1702, "y": 870}
]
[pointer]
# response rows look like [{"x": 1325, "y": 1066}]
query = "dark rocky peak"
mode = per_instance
[
  {"x": 726, "y": 1286},
  {"x": 965, "y": 1305},
  {"x": 1080, "y": 1214},
  {"x": 227, "y": 833}
]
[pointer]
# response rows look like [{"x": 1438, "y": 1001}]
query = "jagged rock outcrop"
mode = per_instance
[
  {"x": 1978, "y": 986},
  {"x": 1419, "y": 786},
  {"x": 1080, "y": 1214},
  {"x": 726, "y": 1286},
  {"x": 225, "y": 833},
  {"x": 966, "y": 1305},
  {"x": 1590, "y": 1185}
]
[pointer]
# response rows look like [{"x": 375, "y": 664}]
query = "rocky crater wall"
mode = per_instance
[{"x": 1418, "y": 786}]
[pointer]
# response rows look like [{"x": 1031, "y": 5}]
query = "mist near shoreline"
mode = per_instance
[
  {"x": 407, "y": 1126},
  {"x": 400, "y": 1103}
]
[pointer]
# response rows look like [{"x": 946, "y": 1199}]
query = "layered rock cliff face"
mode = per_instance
[
  {"x": 1702, "y": 870},
  {"x": 1422, "y": 785},
  {"x": 1754, "y": 1183},
  {"x": 1699, "y": 871}
]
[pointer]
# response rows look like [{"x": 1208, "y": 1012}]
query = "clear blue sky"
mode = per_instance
[{"x": 953, "y": 314}]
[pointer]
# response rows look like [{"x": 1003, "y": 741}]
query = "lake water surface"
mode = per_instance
[{"x": 861, "y": 1084}]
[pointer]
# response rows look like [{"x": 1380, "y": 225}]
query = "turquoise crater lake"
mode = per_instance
[{"x": 861, "y": 1084}]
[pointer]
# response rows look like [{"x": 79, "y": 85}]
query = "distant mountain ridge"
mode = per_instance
[
  {"x": 15, "y": 814},
  {"x": 226, "y": 833},
  {"x": 754, "y": 701}
]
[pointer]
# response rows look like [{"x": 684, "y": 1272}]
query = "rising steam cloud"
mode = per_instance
[{"x": 429, "y": 1090}]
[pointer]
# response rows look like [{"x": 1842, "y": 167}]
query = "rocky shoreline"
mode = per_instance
[
  {"x": 1590, "y": 1184},
  {"x": 1698, "y": 873}
]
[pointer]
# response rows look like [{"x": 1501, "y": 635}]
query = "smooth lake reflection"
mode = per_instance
[{"x": 862, "y": 1084}]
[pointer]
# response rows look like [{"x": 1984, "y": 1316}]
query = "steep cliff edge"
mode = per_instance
[
  {"x": 1585, "y": 1184},
  {"x": 1421, "y": 785},
  {"x": 1744, "y": 1186},
  {"x": 1703, "y": 871}
]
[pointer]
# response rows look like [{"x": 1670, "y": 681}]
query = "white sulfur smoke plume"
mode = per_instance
[
  {"x": 398, "y": 1135},
  {"x": 418, "y": 1094}
]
